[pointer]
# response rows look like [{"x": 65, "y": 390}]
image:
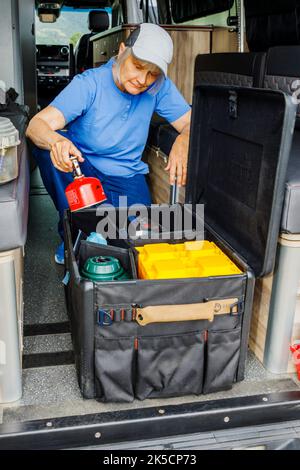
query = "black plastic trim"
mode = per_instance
[{"x": 149, "y": 423}]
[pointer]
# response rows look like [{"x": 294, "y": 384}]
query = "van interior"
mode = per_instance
[{"x": 236, "y": 43}]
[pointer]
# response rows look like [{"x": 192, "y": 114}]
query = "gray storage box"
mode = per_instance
[{"x": 239, "y": 148}]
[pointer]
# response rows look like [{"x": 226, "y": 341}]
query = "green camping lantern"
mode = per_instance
[{"x": 104, "y": 268}]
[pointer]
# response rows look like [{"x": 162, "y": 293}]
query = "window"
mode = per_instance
[{"x": 68, "y": 28}]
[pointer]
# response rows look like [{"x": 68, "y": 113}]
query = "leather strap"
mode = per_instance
[{"x": 186, "y": 312}]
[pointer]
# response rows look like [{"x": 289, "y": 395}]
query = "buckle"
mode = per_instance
[
  {"x": 240, "y": 307},
  {"x": 104, "y": 318}
]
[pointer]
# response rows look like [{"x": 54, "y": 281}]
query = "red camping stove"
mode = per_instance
[{"x": 83, "y": 191}]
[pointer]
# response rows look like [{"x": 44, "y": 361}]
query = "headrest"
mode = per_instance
[
  {"x": 250, "y": 64},
  {"x": 98, "y": 21},
  {"x": 284, "y": 61}
]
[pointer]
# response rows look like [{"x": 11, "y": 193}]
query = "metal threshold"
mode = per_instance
[{"x": 150, "y": 423}]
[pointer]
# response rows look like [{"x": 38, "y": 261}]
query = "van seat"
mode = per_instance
[
  {"x": 230, "y": 68},
  {"x": 98, "y": 21},
  {"x": 290, "y": 222},
  {"x": 282, "y": 72}
]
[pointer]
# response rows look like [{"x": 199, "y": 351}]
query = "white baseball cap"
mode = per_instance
[{"x": 151, "y": 43}]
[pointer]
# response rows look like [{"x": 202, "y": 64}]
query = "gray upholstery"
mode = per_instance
[
  {"x": 291, "y": 211},
  {"x": 14, "y": 205},
  {"x": 283, "y": 73},
  {"x": 285, "y": 84},
  {"x": 215, "y": 78}
]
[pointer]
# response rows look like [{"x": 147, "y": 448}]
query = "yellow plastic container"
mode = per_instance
[{"x": 183, "y": 260}]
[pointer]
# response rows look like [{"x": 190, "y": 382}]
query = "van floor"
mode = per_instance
[{"x": 50, "y": 386}]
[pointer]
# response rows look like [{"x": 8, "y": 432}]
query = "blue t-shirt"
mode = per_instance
[{"x": 110, "y": 127}]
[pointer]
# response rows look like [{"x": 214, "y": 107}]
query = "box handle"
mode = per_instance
[{"x": 186, "y": 312}]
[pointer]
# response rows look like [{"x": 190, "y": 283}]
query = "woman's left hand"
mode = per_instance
[{"x": 177, "y": 164}]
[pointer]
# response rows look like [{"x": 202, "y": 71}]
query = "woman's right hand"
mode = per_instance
[
  {"x": 60, "y": 154},
  {"x": 42, "y": 131}
]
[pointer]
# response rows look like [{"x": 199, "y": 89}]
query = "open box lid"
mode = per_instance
[{"x": 239, "y": 150}]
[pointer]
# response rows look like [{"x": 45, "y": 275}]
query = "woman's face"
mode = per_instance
[{"x": 136, "y": 76}]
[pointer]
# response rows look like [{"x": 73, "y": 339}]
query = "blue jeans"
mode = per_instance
[{"x": 55, "y": 181}]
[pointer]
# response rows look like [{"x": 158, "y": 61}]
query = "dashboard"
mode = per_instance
[
  {"x": 53, "y": 66},
  {"x": 55, "y": 69}
]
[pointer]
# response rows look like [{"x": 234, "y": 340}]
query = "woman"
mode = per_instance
[{"x": 108, "y": 111}]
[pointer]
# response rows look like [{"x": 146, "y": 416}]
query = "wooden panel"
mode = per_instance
[
  {"x": 187, "y": 45},
  {"x": 106, "y": 47},
  {"x": 159, "y": 181},
  {"x": 159, "y": 177},
  {"x": 181, "y": 197},
  {"x": 224, "y": 41},
  {"x": 260, "y": 315},
  {"x": 100, "y": 52},
  {"x": 115, "y": 41}
]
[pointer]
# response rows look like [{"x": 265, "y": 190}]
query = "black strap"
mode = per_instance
[
  {"x": 48, "y": 359},
  {"x": 46, "y": 329}
]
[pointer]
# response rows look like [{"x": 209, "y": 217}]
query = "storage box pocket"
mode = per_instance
[
  {"x": 170, "y": 365},
  {"x": 223, "y": 352},
  {"x": 114, "y": 359}
]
